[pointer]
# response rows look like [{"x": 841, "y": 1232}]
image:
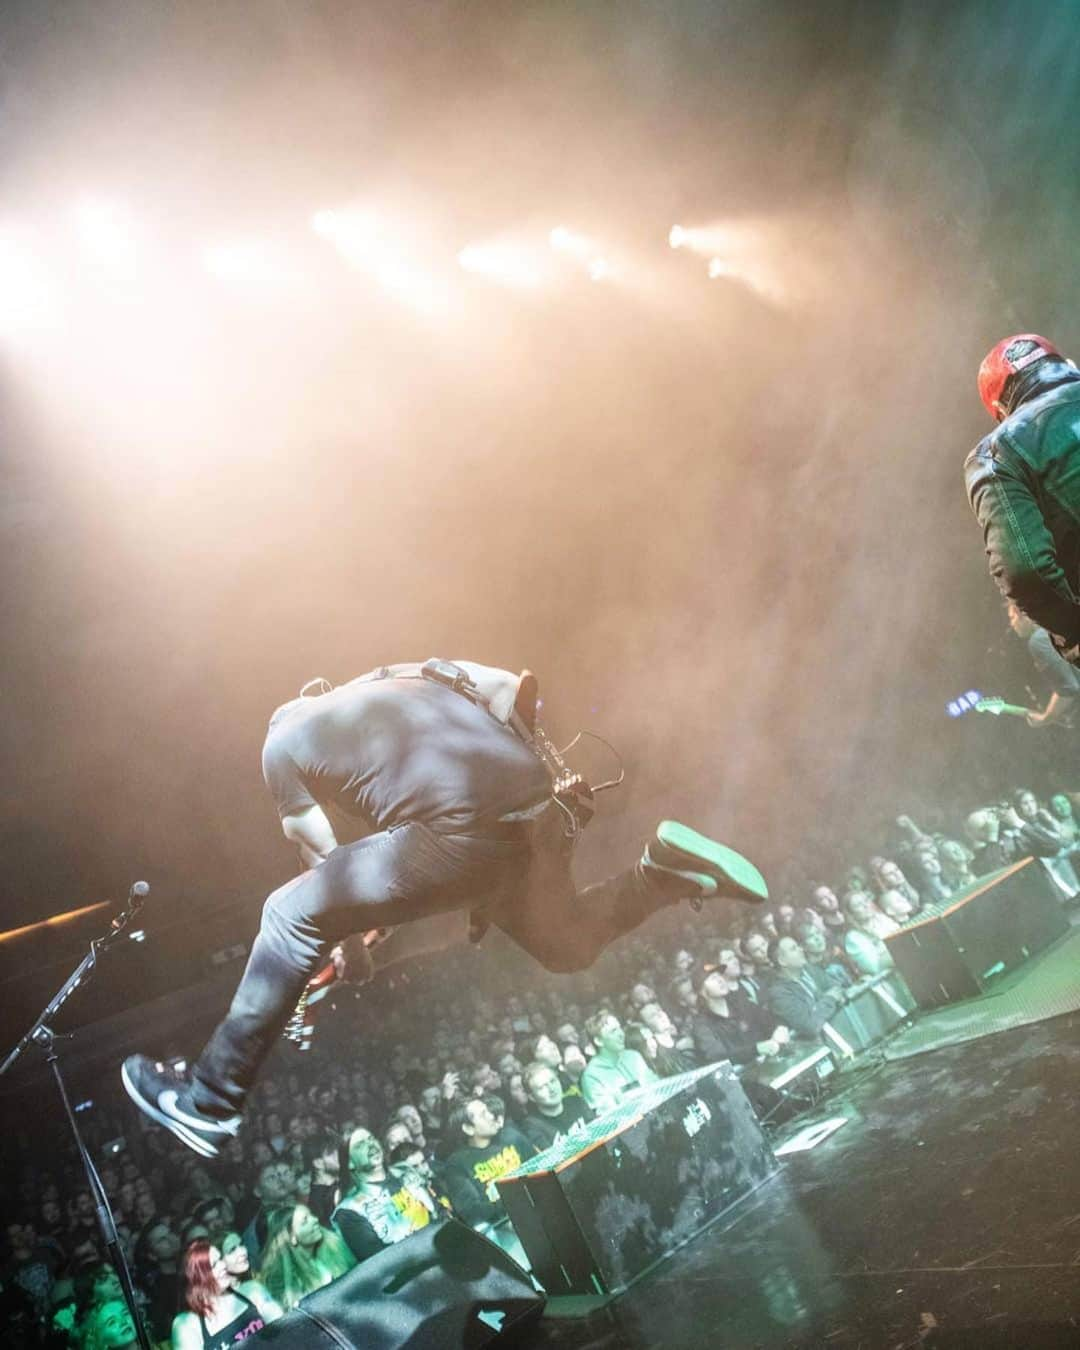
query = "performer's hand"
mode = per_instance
[
  {"x": 352, "y": 960},
  {"x": 781, "y": 1036},
  {"x": 1034, "y": 719},
  {"x": 767, "y": 1049}
]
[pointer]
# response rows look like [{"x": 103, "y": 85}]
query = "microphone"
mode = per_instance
[{"x": 138, "y": 893}]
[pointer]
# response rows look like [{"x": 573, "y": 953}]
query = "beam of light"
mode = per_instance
[
  {"x": 53, "y": 921},
  {"x": 247, "y": 262},
  {"x": 354, "y": 233},
  {"x": 411, "y": 287},
  {"x": 582, "y": 250},
  {"x": 704, "y": 239},
  {"x": 564, "y": 240},
  {"x": 106, "y": 235},
  {"x": 600, "y": 270},
  {"x": 369, "y": 246},
  {"x": 28, "y": 300},
  {"x": 507, "y": 264},
  {"x": 755, "y": 254}
]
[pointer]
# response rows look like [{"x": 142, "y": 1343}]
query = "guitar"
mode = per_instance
[
  {"x": 300, "y": 1028},
  {"x": 1000, "y": 708}
]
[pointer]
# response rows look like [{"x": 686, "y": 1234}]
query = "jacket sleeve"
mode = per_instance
[
  {"x": 794, "y": 1007},
  {"x": 1020, "y": 549},
  {"x": 710, "y": 1044}
]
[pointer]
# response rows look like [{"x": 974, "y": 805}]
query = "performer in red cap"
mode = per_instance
[{"x": 1023, "y": 482}]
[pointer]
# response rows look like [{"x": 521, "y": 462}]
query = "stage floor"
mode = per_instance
[{"x": 946, "y": 1213}]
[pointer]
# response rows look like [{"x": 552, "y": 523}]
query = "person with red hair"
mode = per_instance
[{"x": 221, "y": 1309}]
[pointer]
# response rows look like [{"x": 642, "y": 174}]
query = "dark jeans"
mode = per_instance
[{"x": 518, "y": 875}]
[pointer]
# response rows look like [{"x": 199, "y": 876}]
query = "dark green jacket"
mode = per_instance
[{"x": 1023, "y": 482}]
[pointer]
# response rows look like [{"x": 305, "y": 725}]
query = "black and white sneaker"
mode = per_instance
[
  {"x": 677, "y": 855},
  {"x": 164, "y": 1095}
]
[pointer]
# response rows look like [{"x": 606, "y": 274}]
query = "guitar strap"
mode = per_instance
[{"x": 570, "y": 791}]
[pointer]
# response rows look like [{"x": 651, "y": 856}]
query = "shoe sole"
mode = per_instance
[
  {"x": 724, "y": 865},
  {"x": 186, "y": 1136}
]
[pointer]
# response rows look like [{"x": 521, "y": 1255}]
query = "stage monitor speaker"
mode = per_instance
[
  {"x": 870, "y": 1014},
  {"x": 600, "y": 1207},
  {"x": 957, "y": 949},
  {"x": 442, "y": 1288}
]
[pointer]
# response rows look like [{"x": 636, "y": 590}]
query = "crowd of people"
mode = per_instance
[{"x": 425, "y": 1087}]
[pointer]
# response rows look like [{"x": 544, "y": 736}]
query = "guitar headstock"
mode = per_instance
[{"x": 991, "y": 705}]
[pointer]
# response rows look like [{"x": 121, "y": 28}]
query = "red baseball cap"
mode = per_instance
[{"x": 1006, "y": 359}]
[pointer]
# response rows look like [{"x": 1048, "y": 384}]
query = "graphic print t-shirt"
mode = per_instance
[{"x": 470, "y": 1174}]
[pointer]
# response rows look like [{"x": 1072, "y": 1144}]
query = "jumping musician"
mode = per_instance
[{"x": 474, "y": 818}]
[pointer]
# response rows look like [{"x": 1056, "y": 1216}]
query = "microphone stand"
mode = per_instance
[{"x": 42, "y": 1035}]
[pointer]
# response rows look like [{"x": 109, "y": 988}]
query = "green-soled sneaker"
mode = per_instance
[{"x": 709, "y": 869}]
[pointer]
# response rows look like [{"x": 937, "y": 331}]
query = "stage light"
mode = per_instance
[
  {"x": 560, "y": 237},
  {"x": 718, "y": 268},
  {"x": 105, "y": 232},
  {"x": 599, "y": 269},
  {"x": 27, "y": 292},
  {"x": 676, "y": 236},
  {"x": 503, "y": 263}
]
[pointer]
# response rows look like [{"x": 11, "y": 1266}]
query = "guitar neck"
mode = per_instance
[{"x": 999, "y": 708}]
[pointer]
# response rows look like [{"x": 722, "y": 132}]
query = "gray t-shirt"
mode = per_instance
[{"x": 394, "y": 750}]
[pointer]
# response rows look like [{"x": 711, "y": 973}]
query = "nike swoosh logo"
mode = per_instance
[{"x": 167, "y": 1102}]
